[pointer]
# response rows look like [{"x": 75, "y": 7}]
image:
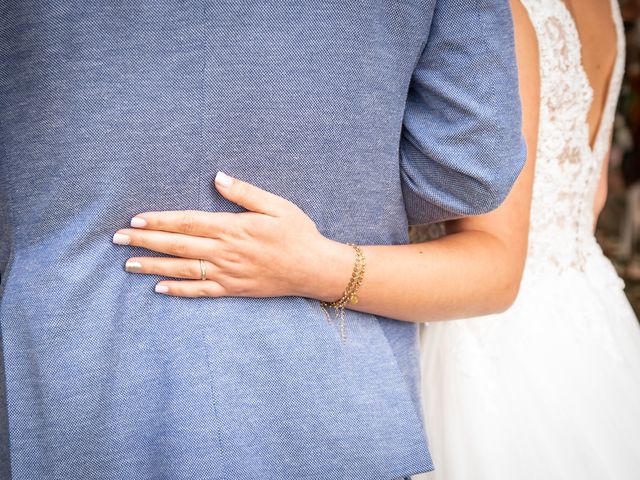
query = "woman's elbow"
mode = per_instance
[
  {"x": 507, "y": 298},
  {"x": 507, "y": 293}
]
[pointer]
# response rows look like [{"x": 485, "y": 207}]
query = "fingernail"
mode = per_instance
[
  {"x": 138, "y": 222},
  {"x": 223, "y": 179},
  {"x": 132, "y": 266},
  {"x": 162, "y": 289},
  {"x": 121, "y": 239}
]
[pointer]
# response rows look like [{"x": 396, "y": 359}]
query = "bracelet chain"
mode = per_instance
[{"x": 350, "y": 293}]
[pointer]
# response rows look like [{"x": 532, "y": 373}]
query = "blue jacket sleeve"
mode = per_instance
[{"x": 461, "y": 146}]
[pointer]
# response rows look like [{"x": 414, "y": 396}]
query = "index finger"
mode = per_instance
[{"x": 190, "y": 222}]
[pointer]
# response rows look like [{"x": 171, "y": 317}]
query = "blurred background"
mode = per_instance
[{"x": 619, "y": 225}]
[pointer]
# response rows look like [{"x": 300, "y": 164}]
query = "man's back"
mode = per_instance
[{"x": 352, "y": 110}]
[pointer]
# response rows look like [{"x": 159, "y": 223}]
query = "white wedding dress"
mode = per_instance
[{"x": 550, "y": 389}]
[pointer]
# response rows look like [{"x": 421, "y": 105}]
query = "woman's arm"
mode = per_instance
[
  {"x": 601, "y": 193},
  {"x": 275, "y": 249}
]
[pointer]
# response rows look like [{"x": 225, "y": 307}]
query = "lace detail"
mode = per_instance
[{"x": 567, "y": 168}]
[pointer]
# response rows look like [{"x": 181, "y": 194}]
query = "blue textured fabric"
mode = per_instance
[{"x": 367, "y": 114}]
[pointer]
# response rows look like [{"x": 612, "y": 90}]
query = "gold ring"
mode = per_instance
[{"x": 203, "y": 271}]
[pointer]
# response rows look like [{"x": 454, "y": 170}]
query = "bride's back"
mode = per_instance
[
  {"x": 598, "y": 38},
  {"x": 581, "y": 45}
]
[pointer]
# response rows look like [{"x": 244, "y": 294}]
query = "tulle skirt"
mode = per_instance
[{"x": 548, "y": 390}]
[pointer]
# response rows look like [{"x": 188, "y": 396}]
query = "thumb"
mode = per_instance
[{"x": 249, "y": 196}]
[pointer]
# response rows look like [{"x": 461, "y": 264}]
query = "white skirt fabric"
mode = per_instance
[{"x": 548, "y": 390}]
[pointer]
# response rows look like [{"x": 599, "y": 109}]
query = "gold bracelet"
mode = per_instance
[{"x": 350, "y": 293}]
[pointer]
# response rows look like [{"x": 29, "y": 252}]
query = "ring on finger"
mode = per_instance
[{"x": 203, "y": 270}]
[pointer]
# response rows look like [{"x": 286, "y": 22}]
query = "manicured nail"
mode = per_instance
[
  {"x": 223, "y": 179},
  {"x": 132, "y": 266},
  {"x": 138, "y": 222},
  {"x": 162, "y": 289},
  {"x": 121, "y": 239}
]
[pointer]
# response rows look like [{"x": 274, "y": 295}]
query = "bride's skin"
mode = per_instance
[
  {"x": 599, "y": 52},
  {"x": 274, "y": 249}
]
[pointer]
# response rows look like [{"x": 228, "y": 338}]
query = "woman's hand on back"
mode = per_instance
[{"x": 273, "y": 249}]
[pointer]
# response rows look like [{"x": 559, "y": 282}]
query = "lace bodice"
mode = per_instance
[{"x": 567, "y": 168}]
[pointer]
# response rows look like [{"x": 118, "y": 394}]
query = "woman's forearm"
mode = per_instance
[{"x": 465, "y": 274}]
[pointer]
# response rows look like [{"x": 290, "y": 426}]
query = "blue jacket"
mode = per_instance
[{"x": 368, "y": 114}]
